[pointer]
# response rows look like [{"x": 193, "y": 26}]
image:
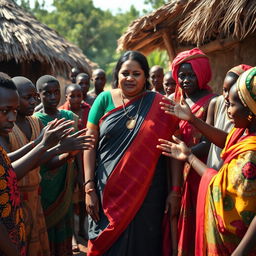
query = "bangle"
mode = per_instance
[
  {"x": 176, "y": 189},
  {"x": 88, "y": 191},
  {"x": 88, "y": 181}
]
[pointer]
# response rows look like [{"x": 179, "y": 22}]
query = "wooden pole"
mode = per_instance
[{"x": 168, "y": 45}]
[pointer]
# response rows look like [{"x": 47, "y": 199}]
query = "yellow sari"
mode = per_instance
[{"x": 230, "y": 203}]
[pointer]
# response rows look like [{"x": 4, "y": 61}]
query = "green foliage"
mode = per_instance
[
  {"x": 95, "y": 31},
  {"x": 159, "y": 58},
  {"x": 24, "y": 4},
  {"x": 155, "y": 3}
]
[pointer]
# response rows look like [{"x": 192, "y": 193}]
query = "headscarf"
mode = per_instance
[
  {"x": 246, "y": 87},
  {"x": 238, "y": 70},
  {"x": 200, "y": 65}
]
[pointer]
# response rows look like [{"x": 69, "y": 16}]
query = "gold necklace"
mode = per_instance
[{"x": 131, "y": 122}]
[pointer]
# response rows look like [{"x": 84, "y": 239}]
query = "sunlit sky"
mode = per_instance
[{"x": 113, "y": 5}]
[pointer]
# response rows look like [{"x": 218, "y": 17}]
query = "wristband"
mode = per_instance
[
  {"x": 176, "y": 189},
  {"x": 88, "y": 181}
]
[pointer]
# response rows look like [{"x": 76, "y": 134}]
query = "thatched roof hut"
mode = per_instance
[
  {"x": 32, "y": 49},
  {"x": 225, "y": 30}
]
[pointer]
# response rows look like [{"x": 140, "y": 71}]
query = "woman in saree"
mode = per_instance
[
  {"x": 192, "y": 72},
  {"x": 226, "y": 222},
  {"x": 125, "y": 181}
]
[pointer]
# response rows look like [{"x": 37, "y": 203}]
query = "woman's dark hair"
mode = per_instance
[{"x": 131, "y": 55}]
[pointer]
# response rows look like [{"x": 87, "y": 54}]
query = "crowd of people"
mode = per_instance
[{"x": 157, "y": 165}]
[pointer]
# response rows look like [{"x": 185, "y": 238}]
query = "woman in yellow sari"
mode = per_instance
[{"x": 226, "y": 222}]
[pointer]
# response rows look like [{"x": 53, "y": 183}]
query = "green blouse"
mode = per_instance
[{"x": 103, "y": 104}]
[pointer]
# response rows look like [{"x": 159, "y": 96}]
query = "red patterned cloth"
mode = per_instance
[{"x": 10, "y": 209}]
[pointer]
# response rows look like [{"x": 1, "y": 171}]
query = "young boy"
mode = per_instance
[
  {"x": 156, "y": 76},
  {"x": 169, "y": 84},
  {"x": 27, "y": 129},
  {"x": 83, "y": 80},
  {"x": 57, "y": 186},
  {"x": 74, "y": 102},
  {"x": 99, "y": 81},
  {"x": 73, "y": 74},
  {"x": 12, "y": 229}
]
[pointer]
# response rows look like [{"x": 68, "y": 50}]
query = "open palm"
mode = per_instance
[
  {"x": 176, "y": 149},
  {"x": 180, "y": 110}
]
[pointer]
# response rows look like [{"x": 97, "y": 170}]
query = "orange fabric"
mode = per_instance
[{"x": 229, "y": 204}]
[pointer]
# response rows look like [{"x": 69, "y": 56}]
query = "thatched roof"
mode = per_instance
[
  {"x": 24, "y": 39},
  {"x": 189, "y": 23},
  {"x": 211, "y": 20}
]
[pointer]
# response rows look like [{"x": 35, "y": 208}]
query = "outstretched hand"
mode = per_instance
[
  {"x": 55, "y": 131},
  {"x": 176, "y": 149},
  {"x": 76, "y": 142},
  {"x": 180, "y": 110}
]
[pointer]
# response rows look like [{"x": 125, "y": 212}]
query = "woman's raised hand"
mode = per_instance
[
  {"x": 176, "y": 149},
  {"x": 180, "y": 110}
]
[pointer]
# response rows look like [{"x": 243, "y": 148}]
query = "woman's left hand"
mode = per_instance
[{"x": 177, "y": 150}]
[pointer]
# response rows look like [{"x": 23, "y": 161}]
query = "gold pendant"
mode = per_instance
[{"x": 130, "y": 124}]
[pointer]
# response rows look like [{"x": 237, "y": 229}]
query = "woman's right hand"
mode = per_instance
[
  {"x": 92, "y": 204},
  {"x": 180, "y": 110}
]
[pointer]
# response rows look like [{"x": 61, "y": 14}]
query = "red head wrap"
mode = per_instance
[{"x": 200, "y": 65}]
